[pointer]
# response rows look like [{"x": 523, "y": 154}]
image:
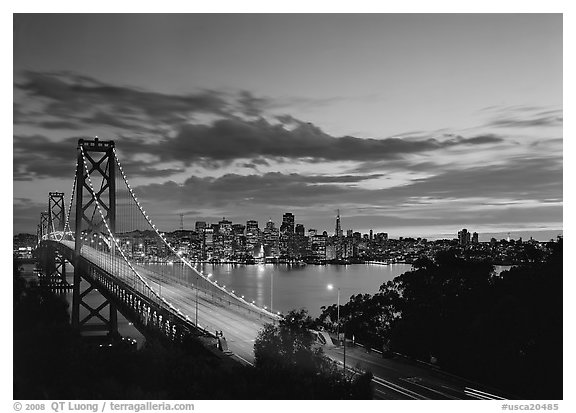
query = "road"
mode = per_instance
[{"x": 400, "y": 378}]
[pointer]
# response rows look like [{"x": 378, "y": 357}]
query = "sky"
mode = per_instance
[{"x": 414, "y": 124}]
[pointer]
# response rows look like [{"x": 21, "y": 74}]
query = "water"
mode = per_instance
[{"x": 292, "y": 287}]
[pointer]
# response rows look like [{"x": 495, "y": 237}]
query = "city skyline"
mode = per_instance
[{"x": 409, "y": 124}]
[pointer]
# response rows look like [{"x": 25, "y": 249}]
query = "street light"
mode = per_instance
[
  {"x": 331, "y": 287},
  {"x": 196, "y": 301}
]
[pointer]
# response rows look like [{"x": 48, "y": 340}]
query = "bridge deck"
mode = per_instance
[{"x": 214, "y": 313}]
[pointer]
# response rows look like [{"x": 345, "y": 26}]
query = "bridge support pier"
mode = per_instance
[{"x": 108, "y": 322}]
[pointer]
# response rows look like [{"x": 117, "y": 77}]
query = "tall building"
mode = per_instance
[
  {"x": 300, "y": 229},
  {"x": 338, "y": 231},
  {"x": 253, "y": 239},
  {"x": 271, "y": 237},
  {"x": 200, "y": 225},
  {"x": 338, "y": 238},
  {"x": 463, "y": 237},
  {"x": 287, "y": 223},
  {"x": 252, "y": 226},
  {"x": 475, "y": 238}
]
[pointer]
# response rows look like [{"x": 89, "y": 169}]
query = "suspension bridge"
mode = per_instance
[
  {"x": 162, "y": 293},
  {"x": 117, "y": 251}
]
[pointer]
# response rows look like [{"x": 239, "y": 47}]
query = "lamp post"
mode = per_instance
[
  {"x": 331, "y": 287},
  {"x": 197, "y": 300}
]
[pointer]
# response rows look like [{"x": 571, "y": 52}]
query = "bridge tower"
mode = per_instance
[
  {"x": 56, "y": 214},
  {"x": 101, "y": 165},
  {"x": 55, "y": 276},
  {"x": 44, "y": 228}
]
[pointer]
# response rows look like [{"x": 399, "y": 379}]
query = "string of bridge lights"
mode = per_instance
[
  {"x": 97, "y": 202},
  {"x": 67, "y": 225},
  {"x": 184, "y": 261}
]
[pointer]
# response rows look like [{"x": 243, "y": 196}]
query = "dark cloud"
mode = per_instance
[
  {"x": 86, "y": 100},
  {"x": 36, "y": 156},
  {"x": 524, "y": 180},
  {"x": 273, "y": 188},
  {"x": 71, "y": 101},
  {"x": 229, "y": 139},
  {"x": 251, "y": 105}
]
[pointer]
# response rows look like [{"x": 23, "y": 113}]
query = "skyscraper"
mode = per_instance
[
  {"x": 338, "y": 237},
  {"x": 338, "y": 232},
  {"x": 300, "y": 229},
  {"x": 287, "y": 223},
  {"x": 463, "y": 237}
]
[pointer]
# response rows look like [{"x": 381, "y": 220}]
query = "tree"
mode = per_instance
[
  {"x": 287, "y": 344},
  {"x": 285, "y": 355}
]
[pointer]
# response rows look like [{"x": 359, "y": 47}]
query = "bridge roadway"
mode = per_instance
[{"x": 239, "y": 327}]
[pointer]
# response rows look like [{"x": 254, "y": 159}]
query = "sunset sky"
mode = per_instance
[{"x": 409, "y": 124}]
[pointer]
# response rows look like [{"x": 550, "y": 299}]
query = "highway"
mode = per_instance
[{"x": 399, "y": 378}]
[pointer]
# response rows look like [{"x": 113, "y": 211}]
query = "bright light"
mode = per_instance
[{"x": 330, "y": 286}]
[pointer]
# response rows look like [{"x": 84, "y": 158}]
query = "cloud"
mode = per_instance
[
  {"x": 36, "y": 156},
  {"x": 524, "y": 117},
  {"x": 235, "y": 138},
  {"x": 522, "y": 178},
  {"x": 69, "y": 96},
  {"x": 180, "y": 133},
  {"x": 533, "y": 180},
  {"x": 27, "y": 213}
]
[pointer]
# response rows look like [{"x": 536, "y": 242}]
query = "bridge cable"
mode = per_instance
[{"x": 216, "y": 286}]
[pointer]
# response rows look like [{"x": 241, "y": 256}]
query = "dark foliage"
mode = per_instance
[
  {"x": 286, "y": 355},
  {"x": 505, "y": 330}
]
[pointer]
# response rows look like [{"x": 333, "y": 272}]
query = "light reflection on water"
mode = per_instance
[{"x": 297, "y": 287}]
